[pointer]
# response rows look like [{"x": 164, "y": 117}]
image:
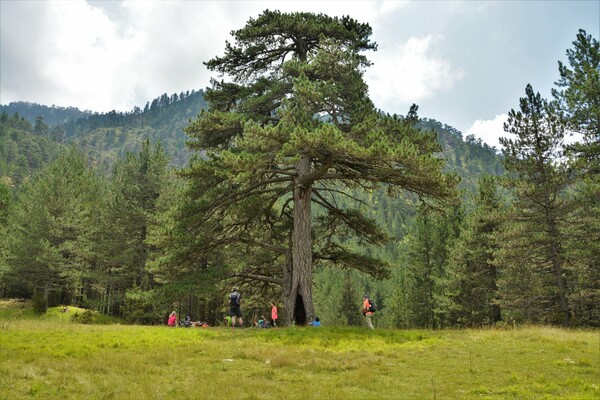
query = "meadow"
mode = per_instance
[{"x": 53, "y": 357}]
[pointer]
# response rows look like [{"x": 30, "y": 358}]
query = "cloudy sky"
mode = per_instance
[{"x": 465, "y": 63}]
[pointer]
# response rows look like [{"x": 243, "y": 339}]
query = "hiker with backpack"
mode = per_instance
[
  {"x": 234, "y": 307},
  {"x": 368, "y": 310}
]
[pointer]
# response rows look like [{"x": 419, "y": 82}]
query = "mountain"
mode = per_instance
[
  {"x": 24, "y": 149},
  {"x": 104, "y": 137},
  {"x": 52, "y": 115},
  {"x": 469, "y": 157},
  {"x": 108, "y": 136}
]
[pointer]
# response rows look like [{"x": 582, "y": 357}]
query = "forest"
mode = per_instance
[{"x": 288, "y": 183}]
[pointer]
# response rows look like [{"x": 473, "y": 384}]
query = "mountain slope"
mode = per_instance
[
  {"x": 109, "y": 136},
  {"x": 23, "y": 151},
  {"x": 52, "y": 115}
]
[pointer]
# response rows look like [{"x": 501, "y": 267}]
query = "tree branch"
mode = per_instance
[{"x": 257, "y": 277}]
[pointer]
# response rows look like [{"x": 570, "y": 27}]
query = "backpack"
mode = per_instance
[
  {"x": 372, "y": 306},
  {"x": 234, "y": 299}
]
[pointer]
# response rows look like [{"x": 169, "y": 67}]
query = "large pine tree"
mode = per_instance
[{"x": 296, "y": 128}]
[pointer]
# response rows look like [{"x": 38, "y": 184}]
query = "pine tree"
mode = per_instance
[
  {"x": 40, "y": 128},
  {"x": 429, "y": 240},
  {"x": 138, "y": 182},
  {"x": 350, "y": 299},
  {"x": 49, "y": 243},
  {"x": 472, "y": 273},
  {"x": 5, "y": 201},
  {"x": 578, "y": 96},
  {"x": 535, "y": 279},
  {"x": 269, "y": 159}
]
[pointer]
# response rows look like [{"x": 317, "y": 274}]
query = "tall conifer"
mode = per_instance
[
  {"x": 535, "y": 274},
  {"x": 296, "y": 128}
]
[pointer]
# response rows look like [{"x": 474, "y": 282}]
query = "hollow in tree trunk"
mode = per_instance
[{"x": 298, "y": 303}]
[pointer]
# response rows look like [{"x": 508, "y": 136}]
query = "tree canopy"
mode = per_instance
[{"x": 296, "y": 128}]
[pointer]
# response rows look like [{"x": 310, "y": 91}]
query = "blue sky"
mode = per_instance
[{"x": 465, "y": 63}]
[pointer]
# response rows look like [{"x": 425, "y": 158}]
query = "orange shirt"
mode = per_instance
[{"x": 366, "y": 306}]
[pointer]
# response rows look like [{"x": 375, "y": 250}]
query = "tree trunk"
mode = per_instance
[
  {"x": 557, "y": 266},
  {"x": 46, "y": 292},
  {"x": 299, "y": 305},
  {"x": 287, "y": 285},
  {"x": 495, "y": 311}
]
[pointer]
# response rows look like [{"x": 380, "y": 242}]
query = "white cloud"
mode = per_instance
[
  {"x": 74, "y": 56},
  {"x": 114, "y": 56},
  {"x": 408, "y": 73},
  {"x": 362, "y": 11},
  {"x": 79, "y": 56},
  {"x": 87, "y": 57},
  {"x": 489, "y": 131},
  {"x": 104, "y": 56}
]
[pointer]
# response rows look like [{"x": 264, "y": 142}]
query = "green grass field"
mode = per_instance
[{"x": 52, "y": 357}]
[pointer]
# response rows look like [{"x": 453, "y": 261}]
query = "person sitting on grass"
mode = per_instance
[
  {"x": 262, "y": 322},
  {"x": 187, "y": 322},
  {"x": 316, "y": 322},
  {"x": 172, "y": 322}
]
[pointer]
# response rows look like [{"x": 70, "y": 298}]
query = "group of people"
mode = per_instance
[
  {"x": 235, "y": 312},
  {"x": 185, "y": 323},
  {"x": 234, "y": 319}
]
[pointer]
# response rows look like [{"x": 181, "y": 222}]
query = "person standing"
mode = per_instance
[
  {"x": 234, "y": 307},
  {"x": 367, "y": 310},
  {"x": 273, "y": 314}
]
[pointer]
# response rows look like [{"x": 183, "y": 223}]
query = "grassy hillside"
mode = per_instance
[{"x": 54, "y": 358}]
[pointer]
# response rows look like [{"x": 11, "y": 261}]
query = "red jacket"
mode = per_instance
[{"x": 366, "y": 307}]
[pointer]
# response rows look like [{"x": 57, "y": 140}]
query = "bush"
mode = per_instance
[
  {"x": 89, "y": 317},
  {"x": 86, "y": 317},
  {"x": 39, "y": 303}
]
